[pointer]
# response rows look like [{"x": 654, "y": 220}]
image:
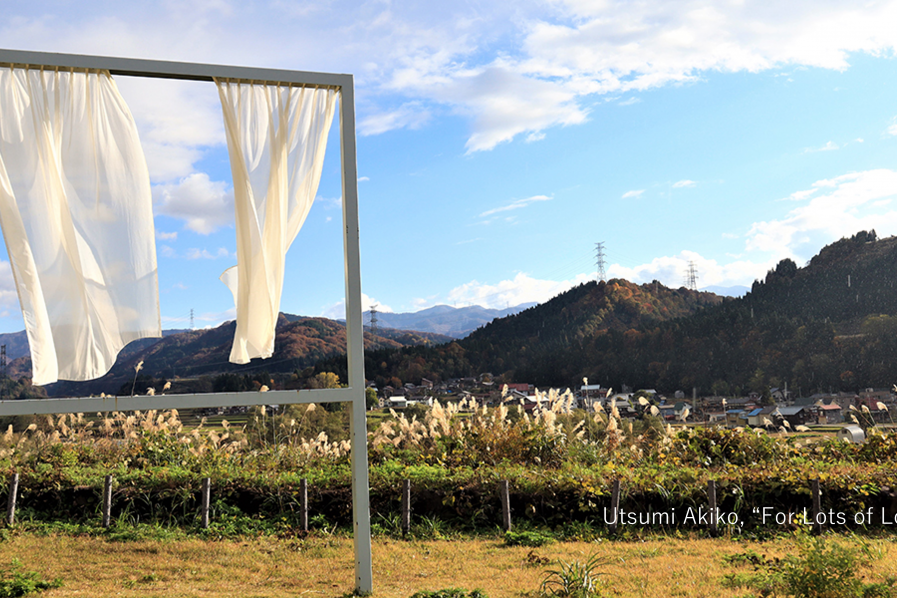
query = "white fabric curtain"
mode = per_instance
[
  {"x": 76, "y": 213},
  {"x": 276, "y": 137}
]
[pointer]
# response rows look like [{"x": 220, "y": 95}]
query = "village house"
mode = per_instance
[
  {"x": 796, "y": 416},
  {"x": 829, "y": 413}
]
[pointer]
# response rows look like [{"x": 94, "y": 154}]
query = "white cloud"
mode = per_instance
[
  {"x": 510, "y": 68},
  {"x": 833, "y": 208},
  {"x": 329, "y": 203},
  {"x": 829, "y": 146},
  {"x": 205, "y": 254},
  {"x": 839, "y": 207},
  {"x": 411, "y": 116},
  {"x": 523, "y": 288},
  {"x": 892, "y": 128},
  {"x": 337, "y": 311},
  {"x": 684, "y": 183},
  {"x": 9, "y": 298},
  {"x": 177, "y": 121},
  {"x": 163, "y": 236},
  {"x": 515, "y": 205},
  {"x": 670, "y": 271},
  {"x": 203, "y": 204},
  {"x": 361, "y": 179},
  {"x": 634, "y": 193},
  {"x": 630, "y": 101},
  {"x": 504, "y": 103}
]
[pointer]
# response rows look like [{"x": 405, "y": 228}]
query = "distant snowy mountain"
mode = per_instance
[{"x": 456, "y": 322}]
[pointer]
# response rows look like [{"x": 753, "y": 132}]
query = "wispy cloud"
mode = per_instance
[
  {"x": 523, "y": 288},
  {"x": 831, "y": 209},
  {"x": 205, "y": 254},
  {"x": 834, "y": 208},
  {"x": 163, "y": 236},
  {"x": 670, "y": 270},
  {"x": 683, "y": 184},
  {"x": 204, "y": 205},
  {"x": 411, "y": 116},
  {"x": 508, "y": 69},
  {"x": 337, "y": 311},
  {"x": 634, "y": 193},
  {"x": 515, "y": 205},
  {"x": 828, "y": 147},
  {"x": 892, "y": 127}
]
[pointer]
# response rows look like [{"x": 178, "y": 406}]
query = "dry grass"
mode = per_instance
[{"x": 323, "y": 566}]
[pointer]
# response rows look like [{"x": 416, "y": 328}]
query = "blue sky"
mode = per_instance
[{"x": 498, "y": 144}]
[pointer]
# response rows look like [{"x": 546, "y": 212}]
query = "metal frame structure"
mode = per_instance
[{"x": 355, "y": 393}]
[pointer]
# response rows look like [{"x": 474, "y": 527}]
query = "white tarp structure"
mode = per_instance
[
  {"x": 276, "y": 137},
  {"x": 76, "y": 212},
  {"x": 108, "y": 202}
]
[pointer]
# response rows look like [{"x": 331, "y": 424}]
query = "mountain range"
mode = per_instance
[
  {"x": 456, "y": 322},
  {"x": 187, "y": 355},
  {"x": 830, "y": 325}
]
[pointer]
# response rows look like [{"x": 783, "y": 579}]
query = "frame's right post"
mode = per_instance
[{"x": 361, "y": 510}]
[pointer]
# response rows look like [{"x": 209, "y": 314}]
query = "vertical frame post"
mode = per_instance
[{"x": 361, "y": 511}]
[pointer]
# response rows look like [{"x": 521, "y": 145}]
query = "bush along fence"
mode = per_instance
[
  {"x": 569, "y": 471},
  {"x": 715, "y": 509}
]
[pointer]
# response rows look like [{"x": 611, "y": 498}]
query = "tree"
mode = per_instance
[
  {"x": 325, "y": 380},
  {"x": 370, "y": 398}
]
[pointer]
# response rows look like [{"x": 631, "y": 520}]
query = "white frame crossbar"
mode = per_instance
[{"x": 355, "y": 393}]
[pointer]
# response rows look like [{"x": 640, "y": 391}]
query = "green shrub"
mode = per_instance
[
  {"x": 527, "y": 538},
  {"x": 822, "y": 568},
  {"x": 15, "y": 582},
  {"x": 573, "y": 580},
  {"x": 450, "y": 593}
]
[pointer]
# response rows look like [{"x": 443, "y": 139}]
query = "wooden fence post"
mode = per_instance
[
  {"x": 615, "y": 505},
  {"x": 206, "y": 501},
  {"x": 406, "y": 507},
  {"x": 303, "y": 505},
  {"x": 711, "y": 500},
  {"x": 107, "y": 501},
  {"x": 505, "y": 492},
  {"x": 11, "y": 501},
  {"x": 817, "y": 506}
]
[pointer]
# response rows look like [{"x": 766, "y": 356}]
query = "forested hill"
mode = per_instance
[
  {"x": 536, "y": 343},
  {"x": 193, "y": 354},
  {"x": 831, "y": 325}
]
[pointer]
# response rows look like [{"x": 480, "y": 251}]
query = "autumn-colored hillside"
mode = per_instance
[{"x": 300, "y": 342}]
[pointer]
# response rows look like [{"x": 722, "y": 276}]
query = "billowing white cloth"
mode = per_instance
[
  {"x": 276, "y": 137},
  {"x": 76, "y": 212}
]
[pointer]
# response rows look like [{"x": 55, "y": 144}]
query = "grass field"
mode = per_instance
[{"x": 323, "y": 566}]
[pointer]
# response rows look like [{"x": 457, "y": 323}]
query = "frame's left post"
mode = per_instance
[{"x": 361, "y": 507}]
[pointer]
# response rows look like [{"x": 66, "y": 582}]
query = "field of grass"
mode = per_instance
[{"x": 323, "y": 565}]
